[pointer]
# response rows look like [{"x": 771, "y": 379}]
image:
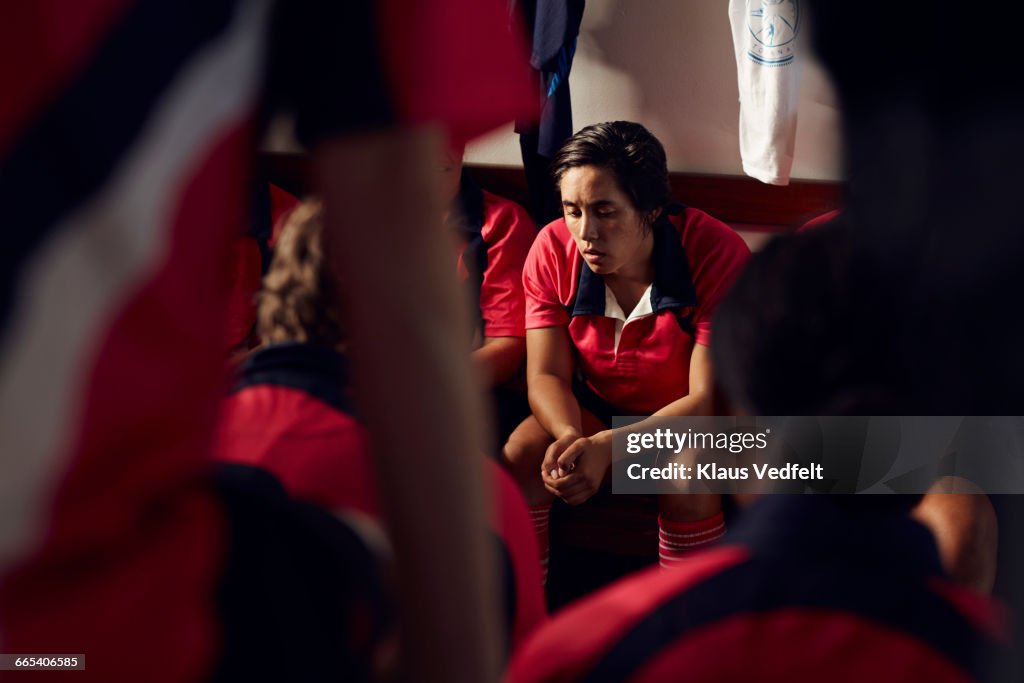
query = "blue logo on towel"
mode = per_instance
[{"x": 774, "y": 24}]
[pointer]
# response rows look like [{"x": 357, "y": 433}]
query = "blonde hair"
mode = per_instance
[{"x": 298, "y": 300}]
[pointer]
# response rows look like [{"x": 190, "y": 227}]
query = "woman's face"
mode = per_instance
[{"x": 608, "y": 229}]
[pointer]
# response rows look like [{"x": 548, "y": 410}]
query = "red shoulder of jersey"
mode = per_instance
[
  {"x": 548, "y": 276},
  {"x": 319, "y": 453},
  {"x": 573, "y": 640},
  {"x": 716, "y": 255},
  {"x": 459, "y": 62},
  {"x": 508, "y": 231}
]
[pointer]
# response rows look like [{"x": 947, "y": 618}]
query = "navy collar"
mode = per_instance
[
  {"x": 316, "y": 370},
  {"x": 672, "y": 288},
  {"x": 810, "y": 525}
]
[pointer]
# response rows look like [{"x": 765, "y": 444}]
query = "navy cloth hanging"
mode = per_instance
[{"x": 554, "y": 26}]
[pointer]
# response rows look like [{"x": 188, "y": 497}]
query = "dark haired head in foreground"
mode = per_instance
[{"x": 791, "y": 337}]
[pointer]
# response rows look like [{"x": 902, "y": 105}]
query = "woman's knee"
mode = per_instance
[{"x": 524, "y": 451}]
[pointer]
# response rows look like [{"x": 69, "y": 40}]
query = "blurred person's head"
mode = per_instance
[
  {"x": 613, "y": 180},
  {"x": 798, "y": 334},
  {"x": 929, "y": 151},
  {"x": 298, "y": 301}
]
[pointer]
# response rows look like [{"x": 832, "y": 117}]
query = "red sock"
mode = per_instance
[
  {"x": 540, "y": 514},
  {"x": 677, "y": 539}
]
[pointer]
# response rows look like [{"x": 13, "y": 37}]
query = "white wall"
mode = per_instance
[{"x": 669, "y": 64}]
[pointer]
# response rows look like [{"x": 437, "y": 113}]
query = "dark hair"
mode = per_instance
[
  {"x": 795, "y": 335},
  {"x": 629, "y": 151}
]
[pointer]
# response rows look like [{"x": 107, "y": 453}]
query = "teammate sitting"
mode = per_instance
[
  {"x": 619, "y": 297},
  {"x": 494, "y": 236},
  {"x": 292, "y": 414}
]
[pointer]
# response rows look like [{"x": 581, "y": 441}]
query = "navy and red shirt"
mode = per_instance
[
  {"x": 291, "y": 416},
  {"x": 642, "y": 363},
  {"x": 803, "y": 590},
  {"x": 113, "y": 291},
  {"x": 495, "y": 238}
]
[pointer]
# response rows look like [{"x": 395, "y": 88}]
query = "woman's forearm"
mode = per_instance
[
  {"x": 554, "y": 405},
  {"x": 694, "y": 404},
  {"x": 691, "y": 405}
]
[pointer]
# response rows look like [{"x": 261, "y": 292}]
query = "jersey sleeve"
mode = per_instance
[
  {"x": 510, "y": 234},
  {"x": 540, "y": 284},
  {"x": 717, "y": 255},
  {"x": 463, "y": 63}
]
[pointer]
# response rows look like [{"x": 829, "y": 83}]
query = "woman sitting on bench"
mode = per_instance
[{"x": 619, "y": 298}]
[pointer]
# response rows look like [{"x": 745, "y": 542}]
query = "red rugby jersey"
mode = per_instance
[
  {"x": 496, "y": 237},
  {"x": 696, "y": 259},
  {"x": 291, "y": 416},
  {"x": 800, "y": 591}
]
